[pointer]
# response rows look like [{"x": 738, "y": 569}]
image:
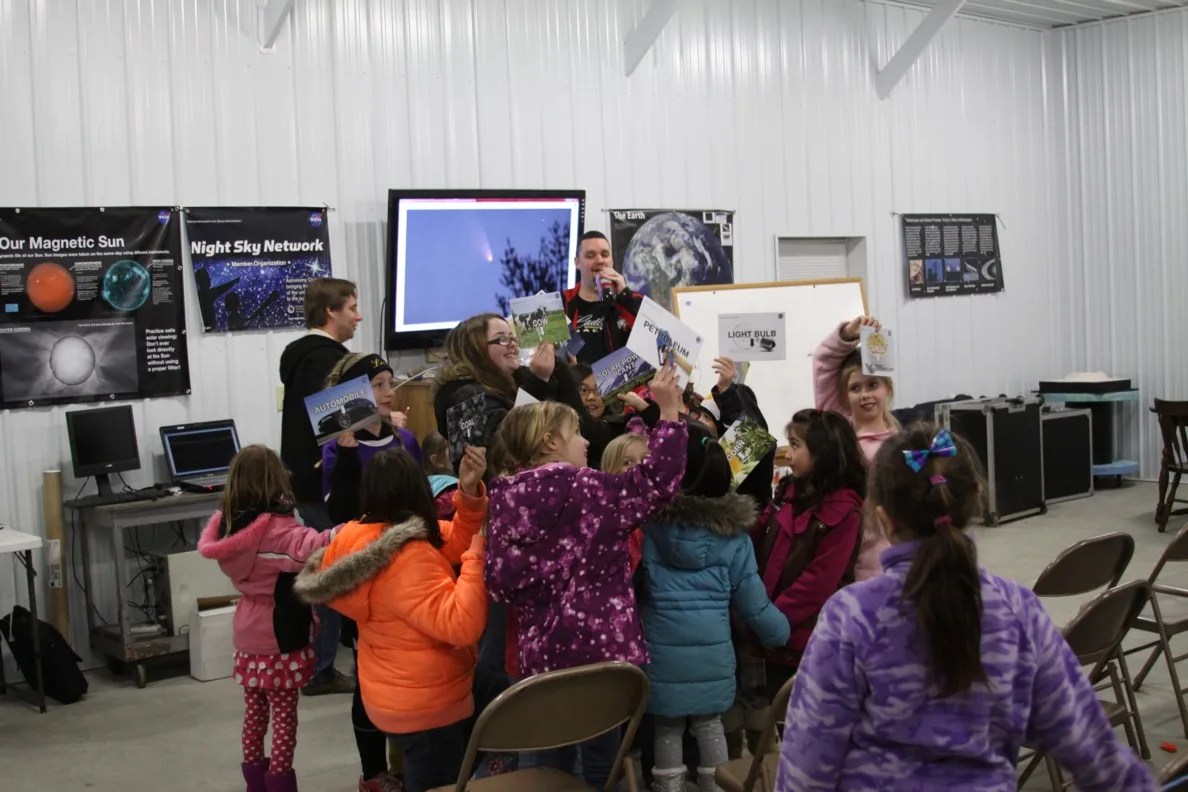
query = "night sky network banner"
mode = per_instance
[
  {"x": 92, "y": 305},
  {"x": 251, "y": 265},
  {"x": 952, "y": 254},
  {"x": 659, "y": 250}
]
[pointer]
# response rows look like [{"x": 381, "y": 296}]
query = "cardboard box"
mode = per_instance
[{"x": 211, "y": 634}]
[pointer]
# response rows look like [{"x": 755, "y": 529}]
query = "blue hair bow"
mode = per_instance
[{"x": 942, "y": 446}]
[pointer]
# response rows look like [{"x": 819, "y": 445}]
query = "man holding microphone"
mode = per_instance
[{"x": 601, "y": 309}]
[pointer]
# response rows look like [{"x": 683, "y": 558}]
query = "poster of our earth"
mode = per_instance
[
  {"x": 91, "y": 305},
  {"x": 659, "y": 250}
]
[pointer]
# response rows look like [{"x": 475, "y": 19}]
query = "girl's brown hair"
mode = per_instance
[
  {"x": 838, "y": 462},
  {"x": 433, "y": 445},
  {"x": 615, "y": 453},
  {"x": 467, "y": 349},
  {"x": 853, "y": 365},
  {"x": 525, "y": 430},
  {"x": 256, "y": 483},
  {"x": 935, "y": 505}
]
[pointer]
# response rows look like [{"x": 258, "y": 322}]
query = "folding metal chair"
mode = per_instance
[
  {"x": 759, "y": 771},
  {"x": 1095, "y": 635},
  {"x": 554, "y": 710},
  {"x": 1164, "y": 629}
]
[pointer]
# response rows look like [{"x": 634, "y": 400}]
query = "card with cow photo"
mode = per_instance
[
  {"x": 878, "y": 351},
  {"x": 538, "y": 319},
  {"x": 466, "y": 425},
  {"x": 341, "y": 409}
]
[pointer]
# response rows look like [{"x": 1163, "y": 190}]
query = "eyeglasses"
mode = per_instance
[
  {"x": 503, "y": 341},
  {"x": 583, "y": 391}
]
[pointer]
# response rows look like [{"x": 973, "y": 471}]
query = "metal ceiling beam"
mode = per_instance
[
  {"x": 640, "y": 40},
  {"x": 272, "y": 19},
  {"x": 890, "y": 75}
]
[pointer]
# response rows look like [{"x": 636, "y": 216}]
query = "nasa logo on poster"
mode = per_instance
[{"x": 315, "y": 220}]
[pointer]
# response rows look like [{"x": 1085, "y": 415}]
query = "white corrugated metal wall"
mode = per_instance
[
  {"x": 1118, "y": 92},
  {"x": 763, "y": 106}
]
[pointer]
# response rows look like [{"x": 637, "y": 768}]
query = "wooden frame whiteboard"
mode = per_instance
[{"x": 813, "y": 309}]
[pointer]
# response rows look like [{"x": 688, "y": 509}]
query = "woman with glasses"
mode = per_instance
[{"x": 484, "y": 358}]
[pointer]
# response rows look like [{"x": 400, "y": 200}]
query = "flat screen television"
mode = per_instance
[{"x": 456, "y": 253}]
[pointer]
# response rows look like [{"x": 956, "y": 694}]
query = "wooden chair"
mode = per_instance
[
  {"x": 1173, "y": 426},
  {"x": 554, "y": 710},
  {"x": 1095, "y": 636},
  {"x": 759, "y": 771},
  {"x": 1164, "y": 629}
]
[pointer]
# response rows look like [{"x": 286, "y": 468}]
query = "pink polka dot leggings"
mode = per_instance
[{"x": 283, "y": 704}]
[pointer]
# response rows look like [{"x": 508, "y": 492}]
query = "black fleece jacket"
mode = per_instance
[{"x": 304, "y": 366}]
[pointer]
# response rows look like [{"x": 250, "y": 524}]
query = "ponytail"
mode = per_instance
[
  {"x": 944, "y": 587},
  {"x": 932, "y": 497}
]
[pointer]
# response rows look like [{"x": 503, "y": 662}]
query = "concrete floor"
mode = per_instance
[{"x": 178, "y": 734}]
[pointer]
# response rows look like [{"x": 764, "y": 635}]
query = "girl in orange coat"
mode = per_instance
[{"x": 419, "y": 623}]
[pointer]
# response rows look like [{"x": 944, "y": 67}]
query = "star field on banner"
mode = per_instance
[
  {"x": 251, "y": 265},
  {"x": 91, "y": 305}
]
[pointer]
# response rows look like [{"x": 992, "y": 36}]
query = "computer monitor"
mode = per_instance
[
  {"x": 199, "y": 449},
  {"x": 103, "y": 441}
]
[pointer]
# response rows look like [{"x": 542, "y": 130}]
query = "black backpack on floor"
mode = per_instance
[{"x": 64, "y": 681}]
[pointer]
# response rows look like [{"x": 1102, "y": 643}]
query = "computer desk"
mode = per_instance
[{"x": 116, "y": 642}]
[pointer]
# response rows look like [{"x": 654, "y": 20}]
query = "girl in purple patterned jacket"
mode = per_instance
[
  {"x": 557, "y": 545},
  {"x": 934, "y": 674}
]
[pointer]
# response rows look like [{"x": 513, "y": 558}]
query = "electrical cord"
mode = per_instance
[{"x": 73, "y": 557}]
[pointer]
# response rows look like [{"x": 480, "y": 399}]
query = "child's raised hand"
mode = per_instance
[
  {"x": 634, "y": 401},
  {"x": 727, "y": 370},
  {"x": 852, "y": 328},
  {"x": 666, "y": 392},
  {"x": 544, "y": 360},
  {"x": 399, "y": 418},
  {"x": 470, "y": 472}
]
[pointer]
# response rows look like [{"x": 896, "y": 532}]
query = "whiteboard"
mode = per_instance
[{"x": 813, "y": 310}]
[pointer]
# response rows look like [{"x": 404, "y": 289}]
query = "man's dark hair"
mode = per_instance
[
  {"x": 593, "y": 235},
  {"x": 325, "y": 294}
]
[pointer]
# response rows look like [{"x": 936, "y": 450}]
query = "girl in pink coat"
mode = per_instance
[
  {"x": 840, "y": 386},
  {"x": 261, "y": 546}
]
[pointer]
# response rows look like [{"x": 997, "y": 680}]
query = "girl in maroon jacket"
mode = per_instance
[
  {"x": 806, "y": 541},
  {"x": 261, "y": 546}
]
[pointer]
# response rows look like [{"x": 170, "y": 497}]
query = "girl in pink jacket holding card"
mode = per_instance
[
  {"x": 840, "y": 386},
  {"x": 261, "y": 546}
]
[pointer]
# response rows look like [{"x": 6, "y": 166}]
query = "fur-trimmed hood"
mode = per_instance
[
  {"x": 729, "y": 515},
  {"x": 367, "y": 559},
  {"x": 693, "y": 532}
]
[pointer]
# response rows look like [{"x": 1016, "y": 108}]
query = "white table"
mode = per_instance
[{"x": 23, "y": 545}]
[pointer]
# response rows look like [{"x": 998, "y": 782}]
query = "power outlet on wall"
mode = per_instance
[{"x": 280, "y": 398}]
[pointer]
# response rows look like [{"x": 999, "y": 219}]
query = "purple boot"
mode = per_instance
[
  {"x": 253, "y": 774},
  {"x": 285, "y": 782}
]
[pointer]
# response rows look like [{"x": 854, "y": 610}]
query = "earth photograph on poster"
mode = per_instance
[{"x": 659, "y": 250}]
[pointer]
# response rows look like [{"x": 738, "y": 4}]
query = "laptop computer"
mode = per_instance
[{"x": 199, "y": 454}]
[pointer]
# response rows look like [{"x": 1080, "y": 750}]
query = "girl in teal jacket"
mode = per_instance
[{"x": 699, "y": 563}]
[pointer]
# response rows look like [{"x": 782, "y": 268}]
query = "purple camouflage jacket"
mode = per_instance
[
  {"x": 862, "y": 715},
  {"x": 557, "y": 550}
]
